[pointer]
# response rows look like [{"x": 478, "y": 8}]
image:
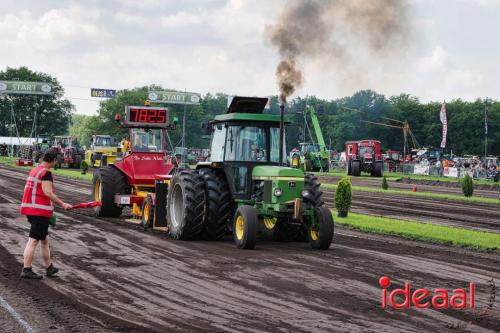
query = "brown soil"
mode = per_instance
[{"x": 116, "y": 277}]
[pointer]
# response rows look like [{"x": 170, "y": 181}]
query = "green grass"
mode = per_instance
[
  {"x": 425, "y": 195},
  {"x": 66, "y": 173},
  {"x": 395, "y": 176},
  {"x": 422, "y": 231}
]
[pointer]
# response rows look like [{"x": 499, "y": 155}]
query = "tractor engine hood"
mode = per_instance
[
  {"x": 261, "y": 172},
  {"x": 279, "y": 185}
]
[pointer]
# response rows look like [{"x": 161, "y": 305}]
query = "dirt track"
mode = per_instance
[{"x": 116, "y": 277}]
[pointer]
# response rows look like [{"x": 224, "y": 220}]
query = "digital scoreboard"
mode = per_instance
[{"x": 147, "y": 116}]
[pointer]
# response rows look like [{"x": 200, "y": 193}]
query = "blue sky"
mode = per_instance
[{"x": 219, "y": 46}]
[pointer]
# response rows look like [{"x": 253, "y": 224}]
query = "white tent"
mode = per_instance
[{"x": 14, "y": 140}]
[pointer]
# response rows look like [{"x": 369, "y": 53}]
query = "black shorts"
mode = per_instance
[{"x": 39, "y": 227}]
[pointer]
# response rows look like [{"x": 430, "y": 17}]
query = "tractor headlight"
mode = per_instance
[
  {"x": 305, "y": 193},
  {"x": 278, "y": 192}
]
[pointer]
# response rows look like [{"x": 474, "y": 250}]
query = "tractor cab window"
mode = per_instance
[
  {"x": 217, "y": 151},
  {"x": 366, "y": 150},
  {"x": 146, "y": 140},
  {"x": 103, "y": 142},
  {"x": 245, "y": 143},
  {"x": 275, "y": 145},
  {"x": 310, "y": 148}
]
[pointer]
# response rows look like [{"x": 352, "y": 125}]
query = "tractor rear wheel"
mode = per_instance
[
  {"x": 106, "y": 183},
  {"x": 148, "y": 213},
  {"x": 321, "y": 231},
  {"x": 245, "y": 227},
  {"x": 356, "y": 168},
  {"x": 377, "y": 169},
  {"x": 186, "y": 205},
  {"x": 219, "y": 205}
]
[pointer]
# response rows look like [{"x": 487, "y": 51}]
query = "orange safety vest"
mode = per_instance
[{"x": 35, "y": 202}]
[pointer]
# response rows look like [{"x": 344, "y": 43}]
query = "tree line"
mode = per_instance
[{"x": 343, "y": 119}]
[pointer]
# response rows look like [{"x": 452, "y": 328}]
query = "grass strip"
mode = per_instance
[
  {"x": 66, "y": 173},
  {"x": 479, "y": 240},
  {"x": 425, "y": 195},
  {"x": 396, "y": 176}
]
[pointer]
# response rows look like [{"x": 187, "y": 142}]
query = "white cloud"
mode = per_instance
[
  {"x": 126, "y": 18},
  {"x": 219, "y": 46}
]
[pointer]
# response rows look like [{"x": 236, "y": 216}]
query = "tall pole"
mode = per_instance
[
  {"x": 184, "y": 126},
  {"x": 485, "y": 129},
  {"x": 282, "y": 132}
]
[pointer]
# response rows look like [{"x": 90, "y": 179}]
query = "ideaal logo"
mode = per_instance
[{"x": 441, "y": 298}]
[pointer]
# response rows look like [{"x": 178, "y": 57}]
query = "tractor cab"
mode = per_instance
[
  {"x": 364, "y": 156},
  {"x": 245, "y": 140}
]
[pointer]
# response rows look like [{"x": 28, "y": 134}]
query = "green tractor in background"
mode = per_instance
[
  {"x": 247, "y": 190},
  {"x": 312, "y": 156}
]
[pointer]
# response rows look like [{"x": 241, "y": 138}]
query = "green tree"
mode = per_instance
[{"x": 54, "y": 112}]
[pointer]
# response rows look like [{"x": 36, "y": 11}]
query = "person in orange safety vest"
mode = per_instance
[{"x": 38, "y": 206}]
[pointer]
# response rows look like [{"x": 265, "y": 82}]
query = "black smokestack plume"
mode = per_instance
[{"x": 329, "y": 30}]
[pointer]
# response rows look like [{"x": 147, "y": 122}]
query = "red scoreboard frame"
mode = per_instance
[{"x": 146, "y": 116}]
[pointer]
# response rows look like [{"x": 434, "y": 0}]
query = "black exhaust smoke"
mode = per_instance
[{"x": 330, "y": 31}]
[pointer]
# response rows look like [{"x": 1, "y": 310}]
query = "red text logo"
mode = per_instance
[{"x": 424, "y": 298}]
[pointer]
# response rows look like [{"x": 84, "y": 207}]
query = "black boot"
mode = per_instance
[
  {"x": 27, "y": 273},
  {"x": 51, "y": 270}
]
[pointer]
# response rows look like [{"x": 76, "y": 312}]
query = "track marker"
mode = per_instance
[{"x": 15, "y": 315}]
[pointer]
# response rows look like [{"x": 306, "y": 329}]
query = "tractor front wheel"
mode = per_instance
[
  {"x": 186, "y": 205},
  {"x": 321, "y": 231},
  {"x": 148, "y": 213},
  {"x": 245, "y": 227},
  {"x": 106, "y": 183}
]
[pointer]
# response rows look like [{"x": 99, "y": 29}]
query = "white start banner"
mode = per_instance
[{"x": 444, "y": 121}]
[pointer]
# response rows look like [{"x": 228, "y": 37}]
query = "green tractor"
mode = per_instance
[
  {"x": 312, "y": 156},
  {"x": 247, "y": 189}
]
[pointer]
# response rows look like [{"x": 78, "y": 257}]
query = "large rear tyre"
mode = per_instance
[
  {"x": 321, "y": 231},
  {"x": 314, "y": 195},
  {"x": 106, "y": 183},
  {"x": 218, "y": 205},
  {"x": 356, "y": 168},
  {"x": 245, "y": 227},
  {"x": 378, "y": 168},
  {"x": 148, "y": 213},
  {"x": 186, "y": 205}
]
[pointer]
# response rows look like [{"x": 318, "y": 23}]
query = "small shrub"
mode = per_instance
[
  {"x": 343, "y": 197},
  {"x": 467, "y": 186},
  {"x": 385, "y": 185},
  {"x": 84, "y": 166}
]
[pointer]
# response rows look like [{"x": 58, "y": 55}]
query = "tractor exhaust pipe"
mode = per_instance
[{"x": 282, "y": 132}]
